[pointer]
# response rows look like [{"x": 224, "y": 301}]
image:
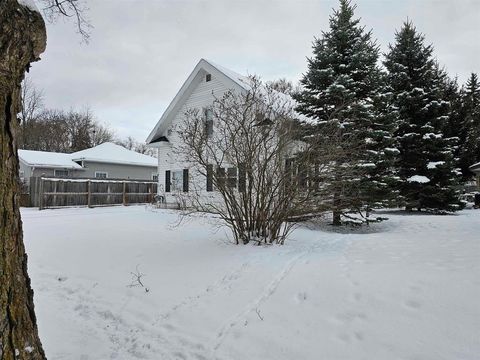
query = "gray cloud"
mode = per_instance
[{"x": 141, "y": 51}]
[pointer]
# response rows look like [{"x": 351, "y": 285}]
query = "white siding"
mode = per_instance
[{"x": 201, "y": 96}]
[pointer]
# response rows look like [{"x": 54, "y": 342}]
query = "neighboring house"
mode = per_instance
[
  {"x": 38, "y": 163},
  {"x": 206, "y": 82},
  {"x": 107, "y": 160},
  {"x": 475, "y": 168}
]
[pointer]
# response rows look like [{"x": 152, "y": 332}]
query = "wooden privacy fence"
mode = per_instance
[{"x": 58, "y": 192}]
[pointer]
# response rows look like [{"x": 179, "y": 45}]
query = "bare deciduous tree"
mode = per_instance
[
  {"x": 264, "y": 179},
  {"x": 64, "y": 131},
  {"x": 76, "y": 9},
  {"x": 131, "y": 144},
  {"x": 32, "y": 105}
]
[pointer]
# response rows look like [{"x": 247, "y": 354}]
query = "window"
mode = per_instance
[
  {"x": 21, "y": 174},
  {"x": 209, "y": 122},
  {"x": 177, "y": 180},
  {"x": 220, "y": 177},
  {"x": 60, "y": 173},
  {"x": 226, "y": 176},
  {"x": 208, "y": 77},
  {"x": 155, "y": 177},
  {"x": 101, "y": 175}
]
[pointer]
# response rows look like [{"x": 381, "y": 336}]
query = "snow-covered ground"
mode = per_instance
[{"x": 408, "y": 288}]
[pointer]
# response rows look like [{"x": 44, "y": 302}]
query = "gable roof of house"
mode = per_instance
[
  {"x": 113, "y": 154},
  {"x": 44, "y": 159},
  {"x": 239, "y": 82}
]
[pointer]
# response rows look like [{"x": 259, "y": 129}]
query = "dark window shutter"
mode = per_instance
[
  {"x": 302, "y": 177},
  {"x": 185, "y": 180},
  {"x": 289, "y": 172},
  {"x": 167, "y": 181},
  {"x": 242, "y": 178},
  {"x": 209, "y": 177}
]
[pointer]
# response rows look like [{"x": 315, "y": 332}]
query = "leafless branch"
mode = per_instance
[
  {"x": 75, "y": 9},
  {"x": 137, "y": 279}
]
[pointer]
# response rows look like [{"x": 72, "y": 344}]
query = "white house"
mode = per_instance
[
  {"x": 206, "y": 82},
  {"x": 106, "y": 160}
]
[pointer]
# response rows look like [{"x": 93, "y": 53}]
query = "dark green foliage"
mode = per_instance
[
  {"x": 426, "y": 152},
  {"x": 470, "y": 152},
  {"x": 341, "y": 90}
]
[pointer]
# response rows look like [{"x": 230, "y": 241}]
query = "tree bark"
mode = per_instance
[{"x": 22, "y": 40}]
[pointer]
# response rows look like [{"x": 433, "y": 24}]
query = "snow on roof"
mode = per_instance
[
  {"x": 47, "y": 159},
  {"x": 242, "y": 81},
  {"x": 418, "y": 179},
  {"x": 114, "y": 154},
  {"x": 245, "y": 82}
]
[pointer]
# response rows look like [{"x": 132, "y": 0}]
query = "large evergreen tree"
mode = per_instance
[
  {"x": 339, "y": 91},
  {"x": 426, "y": 165}
]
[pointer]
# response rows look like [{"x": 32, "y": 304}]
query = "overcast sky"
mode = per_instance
[{"x": 141, "y": 51}]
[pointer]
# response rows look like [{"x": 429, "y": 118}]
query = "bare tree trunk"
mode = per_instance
[{"x": 22, "y": 40}]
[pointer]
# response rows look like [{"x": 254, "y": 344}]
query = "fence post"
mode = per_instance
[
  {"x": 151, "y": 193},
  {"x": 55, "y": 196},
  {"x": 89, "y": 193},
  {"x": 40, "y": 195},
  {"x": 124, "y": 194}
]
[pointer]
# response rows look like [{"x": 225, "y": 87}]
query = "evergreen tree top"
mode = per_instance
[
  {"x": 410, "y": 57},
  {"x": 472, "y": 91},
  {"x": 343, "y": 70}
]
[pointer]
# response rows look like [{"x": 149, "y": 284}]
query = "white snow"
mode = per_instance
[
  {"x": 434, "y": 164},
  {"x": 474, "y": 165},
  {"x": 406, "y": 288},
  {"x": 393, "y": 150},
  {"x": 47, "y": 159},
  {"x": 419, "y": 179},
  {"x": 432, "y": 136},
  {"x": 29, "y": 4},
  {"x": 112, "y": 153},
  {"x": 106, "y": 153}
]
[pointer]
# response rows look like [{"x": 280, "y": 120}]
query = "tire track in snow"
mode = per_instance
[{"x": 265, "y": 295}]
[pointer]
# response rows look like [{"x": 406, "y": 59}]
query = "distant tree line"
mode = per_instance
[{"x": 69, "y": 131}]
